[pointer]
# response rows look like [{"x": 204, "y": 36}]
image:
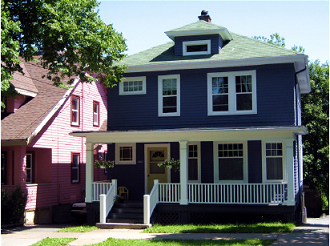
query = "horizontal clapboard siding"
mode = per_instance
[{"x": 275, "y": 102}]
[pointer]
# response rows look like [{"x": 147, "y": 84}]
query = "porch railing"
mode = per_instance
[
  {"x": 169, "y": 192},
  {"x": 98, "y": 188},
  {"x": 149, "y": 202},
  {"x": 237, "y": 193},
  {"x": 107, "y": 200}
]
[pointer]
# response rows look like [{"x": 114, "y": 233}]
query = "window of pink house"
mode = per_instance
[
  {"x": 96, "y": 113},
  {"x": 75, "y": 166},
  {"x": 75, "y": 112},
  {"x": 29, "y": 168}
]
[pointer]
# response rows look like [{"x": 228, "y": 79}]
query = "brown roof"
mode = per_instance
[{"x": 22, "y": 125}]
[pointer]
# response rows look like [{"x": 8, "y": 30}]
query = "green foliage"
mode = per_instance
[
  {"x": 70, "y": 36},
  {"x": 274, "y": 39},
  {"x": 13, "y": 206},
  {"x": 315, "y": 116},
  {"x": 225, "y": 228},
  {"x": 175, "y": 164},
  {"x": 104, "y": 164},
  {"x": 54, "y": 242}
]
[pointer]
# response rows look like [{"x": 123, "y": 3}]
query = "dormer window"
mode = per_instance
[{"x": 199, "y": 47}]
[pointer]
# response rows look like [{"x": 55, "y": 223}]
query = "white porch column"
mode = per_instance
[
  {"x": 290, "y": 171},
  {"x": 184, "y": 172},
  {"x": 89, "y": 172}
]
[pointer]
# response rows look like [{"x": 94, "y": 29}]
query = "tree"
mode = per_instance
[
  {"x": 315, "y": 116},
  {"x": 69, "y": 35}
]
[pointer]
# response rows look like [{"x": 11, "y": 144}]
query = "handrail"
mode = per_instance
[
  {"x": 150, "y": 202},
  {"x": 107, "y": 200},
  {"x": 100, "y": 187}
]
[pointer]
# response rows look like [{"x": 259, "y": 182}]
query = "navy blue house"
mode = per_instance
[{"x": 228, "y": 107}]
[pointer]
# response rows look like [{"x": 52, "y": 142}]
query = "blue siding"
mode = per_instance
[
  {"x": 275, "y": 101},
  {"x": 131, "y": 176},
  {"x": 255, "y": 161},
  {"x": 216, "y": 43},
  {"x": 207, "y": 162}
]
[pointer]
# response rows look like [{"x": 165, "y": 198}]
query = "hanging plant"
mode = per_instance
[
  {"x": 175, "y": 164},
  {"x": 104, "y": 164}
]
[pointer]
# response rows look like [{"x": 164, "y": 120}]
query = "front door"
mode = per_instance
[{"x": 154, "y": 156}]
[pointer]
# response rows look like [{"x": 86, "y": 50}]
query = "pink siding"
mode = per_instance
[{"x": 53, "y": 148}]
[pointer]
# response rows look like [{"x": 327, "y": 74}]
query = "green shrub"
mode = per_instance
[{"x": 13, "y": 206}]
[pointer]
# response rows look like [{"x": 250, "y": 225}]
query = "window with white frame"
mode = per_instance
[
  {"x": 230, "y": 162},
  {"x": 194, "y": 162},
  {"x": 169, "y": 95},
  {"x": 274, "y": 161},
  {"x": 29, "y": 168},
  {"x": 198, "y": 47},
  {"x": 96, "y": 113},
  {"x": 133, "y": 86},
  {"x": 75, "y": 164},
  {"x": 232, "y": 93},
  {"x": 125, "y": 153},
  {"x": 75, "y": 110}
]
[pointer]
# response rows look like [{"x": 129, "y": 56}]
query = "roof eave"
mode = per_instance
[{"x": 225, "y": 35}]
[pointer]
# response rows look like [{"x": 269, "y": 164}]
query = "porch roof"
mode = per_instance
[{"x": 191, "y": 134}]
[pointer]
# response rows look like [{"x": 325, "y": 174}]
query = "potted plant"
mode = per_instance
[
  {"x": 175, "y": 164},
  {"x": 119, "y": 199},
  {"x": 104, "y": 164}
]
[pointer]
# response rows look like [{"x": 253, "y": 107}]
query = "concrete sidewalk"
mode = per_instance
[{"x": 316, "y": 231}]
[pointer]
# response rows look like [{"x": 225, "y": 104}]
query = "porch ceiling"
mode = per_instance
[{"x": 191, "y": 134}]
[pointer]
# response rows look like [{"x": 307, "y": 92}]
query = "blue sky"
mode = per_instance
[{"x": 301, "y": 23}]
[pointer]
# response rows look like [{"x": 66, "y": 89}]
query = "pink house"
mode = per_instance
[{"x": 37, "y": 152}]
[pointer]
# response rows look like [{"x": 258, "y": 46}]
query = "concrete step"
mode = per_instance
[{"x": 122, "y": 225}]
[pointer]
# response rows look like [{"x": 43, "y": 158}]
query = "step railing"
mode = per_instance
[
  {"x": 150, "y": 202},
  {"x": 273, "y": 194},
  {"x": 107, "y": 200},
  {"x": 98, "y": 188}
]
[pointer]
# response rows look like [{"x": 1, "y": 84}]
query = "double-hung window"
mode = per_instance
[
  {"x": 230, "y": 162},
  {"x": 232, "y": 93},
  {"x": 169, "y": 95},
  {"x": 125, "y": 153},
  {"x": 96, "y": 113},
  {"x": 29, "y": 168},
  {"x": 133, "y": 86},
  {"x": 75, "y": 164},
  {"x": 274, "y": 161},
  {"x": 75, "y": 114}
]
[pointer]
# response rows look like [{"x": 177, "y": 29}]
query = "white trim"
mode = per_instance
[
  {"x": 185, "y": 45},
  {"x": 160, "y": 95},
  {"x": 53, "y": 111},
  {"x": 216, "y": 162},
  {"x": 146, "y": 146},
  {"x": 117, "y": 153},
  {"x": 192, "y": 135},
  {"x": 131, "y": 79},
  {"x": 232, "y": 105},
  {"x": 223, "y": 32},
  {"x": 264, "y": 166},
  {"x": 198, "y": 162},
  {"x": 299, "y": 62},
  {"x": 26, "y": 92}
]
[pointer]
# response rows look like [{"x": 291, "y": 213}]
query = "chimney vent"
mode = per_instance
[{"x": 204, "y": 16}]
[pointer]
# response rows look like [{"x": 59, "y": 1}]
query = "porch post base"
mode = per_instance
[{"x": 184, "y": 202}]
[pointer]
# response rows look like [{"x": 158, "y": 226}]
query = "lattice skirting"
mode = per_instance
[{"x": 183, "y": 215}]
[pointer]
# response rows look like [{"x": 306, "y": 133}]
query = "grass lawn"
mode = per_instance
[
  {"x": 225, "y": 228},
  {"x": 82, "y": 228},
  {"x": 180, "y": 242},
  {"x": 54, "y": 242}
]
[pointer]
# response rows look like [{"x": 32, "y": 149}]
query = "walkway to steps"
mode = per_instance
[{"x": 127, "y": 214}]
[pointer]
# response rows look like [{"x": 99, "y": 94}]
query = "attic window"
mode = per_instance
[{"x": 199, "y": 47}]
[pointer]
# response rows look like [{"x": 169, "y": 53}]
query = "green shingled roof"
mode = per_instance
[{"x": 240, "y": 47}]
